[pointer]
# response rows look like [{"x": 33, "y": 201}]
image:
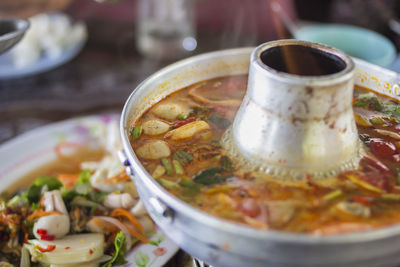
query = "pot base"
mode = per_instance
[{"x": 293, "y": 177}]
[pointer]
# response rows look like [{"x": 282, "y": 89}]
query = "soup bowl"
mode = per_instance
[{"x": 223, "y": 243}]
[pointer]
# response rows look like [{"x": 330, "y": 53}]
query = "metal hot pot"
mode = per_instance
[{"x": 222, "y": 243}]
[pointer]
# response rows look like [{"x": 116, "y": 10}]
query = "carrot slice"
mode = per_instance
[
  {"x": 68, "y": 180},
  {"x": 120, "y": 177},
  {"x": 41, "y": 213},
  {"x": 123, "y": 213},
  {"x": 125, "y": 228},
  {"x": 106, "y": 226},
  {"x": 138, "y": 235}
]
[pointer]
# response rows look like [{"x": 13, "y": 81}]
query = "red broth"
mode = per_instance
[{"x": 178, "y": 142}]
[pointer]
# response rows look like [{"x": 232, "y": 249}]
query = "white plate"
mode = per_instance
[{"x": 31, "y": 150}]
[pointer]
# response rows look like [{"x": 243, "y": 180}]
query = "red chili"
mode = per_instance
[
  {"x": 362, "y": 200},
  {"x": 67, "y": 248},
  {"x": 47, "y": 237},
  {"x": 183, "y": 122},
  {"x": 41, "y": 231},
  {"x": 382, "y": 148},
  {"x": 48, "y": 249},
  {"x": 377, "y": 164},
  {"x": 91, "y": 251}
]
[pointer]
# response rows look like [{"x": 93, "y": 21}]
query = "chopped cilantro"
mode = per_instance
[
  {"x": 136, "y": 133},
  {"x": 167, "y": 165},
  {"x": 183, "y": 157},
  {"x": 209, "y": 177}
]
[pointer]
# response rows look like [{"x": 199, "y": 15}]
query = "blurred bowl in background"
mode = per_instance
[
  {"x": 52, "y": 40},
  {"x": 355, "y": 41}
]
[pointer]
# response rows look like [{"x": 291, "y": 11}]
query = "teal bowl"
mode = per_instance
[{"x": 355, "y": 41}]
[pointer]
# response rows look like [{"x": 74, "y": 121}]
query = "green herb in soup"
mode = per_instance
[{"x": 186, "y": 128}]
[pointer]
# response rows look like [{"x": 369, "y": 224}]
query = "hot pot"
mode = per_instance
[{"x": 222, "y": 243}]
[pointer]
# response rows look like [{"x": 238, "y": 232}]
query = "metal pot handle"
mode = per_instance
[
  {"x": 161, "y": 210},
  {"x": 124, "y": 160}
]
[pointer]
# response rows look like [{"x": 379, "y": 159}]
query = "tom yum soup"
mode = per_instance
[{"x": 178, "y": 142}]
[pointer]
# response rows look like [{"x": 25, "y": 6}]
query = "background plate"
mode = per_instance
[{"x": 8, "y": 70}]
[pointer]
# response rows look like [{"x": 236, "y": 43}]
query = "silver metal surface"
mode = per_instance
[
  {"x": 123, "y": 158},
  {"x": 296, "y": 127},
  {"x": 199, "y": 263},
  {"x": 11, "y": 32},
  {"x": 222, "y": 243},
  {"x": 162, "y": 210},
  {"x": 129, "y": 171}
]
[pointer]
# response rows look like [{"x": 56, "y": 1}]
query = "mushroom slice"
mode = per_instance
[
  {"x": 198, "y": 97},
  {"x": 116, "y": 200},
  {"x": 56, "y": 225},
  {"x": 155, "y": 127},
  {"x": 155, "y": 149},
  {"x": 187, "y": 130},
  {"x": 280, "y": 212},
  {"x": 354, "y": 209},
  {"x": 168, "y": 111},
  {"x": 53, "y": 201},
  {"x": 388, "y": 133},
  {"x": 109, "y": 167},
  {"x": 139, "y": 209}
]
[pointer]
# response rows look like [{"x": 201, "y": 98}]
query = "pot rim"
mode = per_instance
[
  {"x": 220, "y": 224},
  {"x": 314, "y": 80}
]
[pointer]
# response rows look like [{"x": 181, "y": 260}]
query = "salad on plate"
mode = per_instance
[{"x": 81, "y": 210}]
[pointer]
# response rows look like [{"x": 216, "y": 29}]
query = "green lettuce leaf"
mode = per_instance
[
  {"x": 40, "y": 185},
  {"x": 82, "y": 185},
  {"x": 118, "y": 257}
]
